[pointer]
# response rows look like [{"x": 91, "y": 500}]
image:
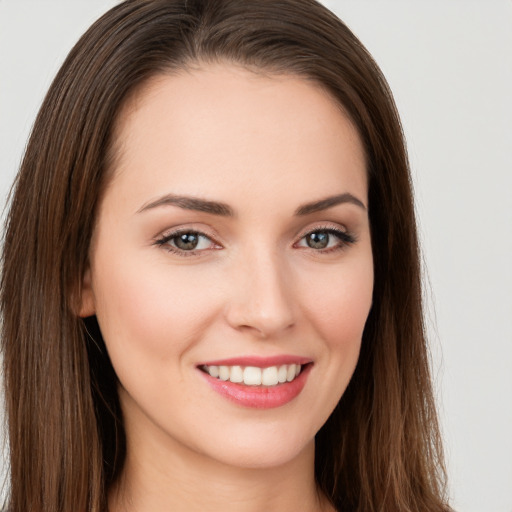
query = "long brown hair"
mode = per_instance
[{"x": 380, "y": 450}]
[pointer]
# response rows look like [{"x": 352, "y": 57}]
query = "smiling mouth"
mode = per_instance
[{"x": 254, "y": 376}]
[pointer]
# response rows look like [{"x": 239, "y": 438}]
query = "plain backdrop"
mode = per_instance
[{"x": 449, "y": 63}]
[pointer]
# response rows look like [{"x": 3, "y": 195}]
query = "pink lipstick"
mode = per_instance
[{"x": 258, "y": 382}]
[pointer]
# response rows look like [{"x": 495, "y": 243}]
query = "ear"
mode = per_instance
[{"x": 86, "y": 306}]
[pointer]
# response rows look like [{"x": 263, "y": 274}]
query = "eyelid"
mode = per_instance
[
  {"x": 346, "y": 238},
  {"x": 324, "y": 226},
  {"x": 162, "y": 240}
]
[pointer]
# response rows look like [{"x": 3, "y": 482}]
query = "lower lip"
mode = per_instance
[{"x": 260, "y": 397}]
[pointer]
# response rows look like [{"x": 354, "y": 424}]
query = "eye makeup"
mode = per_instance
[
  {"x": 187, "y": 242},
  {"x": 190, "y": 242},
  {"x": 320, "y": 239}
]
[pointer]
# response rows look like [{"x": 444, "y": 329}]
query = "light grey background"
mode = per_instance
[{"x": 449, "y": 64}]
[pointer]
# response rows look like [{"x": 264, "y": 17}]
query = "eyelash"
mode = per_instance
[
  {"x": 164, "y": 241},
  {"x": 344, "y": 237}
]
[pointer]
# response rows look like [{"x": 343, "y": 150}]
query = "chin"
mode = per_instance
[{"x": 256, "y": 456}]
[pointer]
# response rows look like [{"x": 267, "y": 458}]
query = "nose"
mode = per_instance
[{"x": 261, "y": 302}]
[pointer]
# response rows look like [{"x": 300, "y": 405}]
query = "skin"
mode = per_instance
[{"x": 263, "y": 146}]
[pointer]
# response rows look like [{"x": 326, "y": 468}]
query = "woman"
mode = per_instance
[{"x": 210, "y": 290}]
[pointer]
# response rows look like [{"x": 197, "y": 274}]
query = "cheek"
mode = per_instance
[
  {"x": 149, "y": 312},
  {"x": 336, "y": 308},
  {"x": 339, "y": 303}
]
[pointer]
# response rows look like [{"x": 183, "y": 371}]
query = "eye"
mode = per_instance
[
  {"x": 326, "y": 239},
  {"x": 186, "y": 242}
]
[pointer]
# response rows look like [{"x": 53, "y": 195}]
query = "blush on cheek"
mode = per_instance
[
  {"x": 155, "y": 311},
  {"x": 341, "y": 309}
]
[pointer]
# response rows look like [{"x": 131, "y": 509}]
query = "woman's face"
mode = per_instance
[{"x": 232, "y": 249}]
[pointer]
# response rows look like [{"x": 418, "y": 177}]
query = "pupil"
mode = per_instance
[
  {"x": 187, "y": 241},
  {"x": 318, "y": 240}
]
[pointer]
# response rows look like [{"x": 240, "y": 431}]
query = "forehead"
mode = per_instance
[{"x": 221, "y": 129}]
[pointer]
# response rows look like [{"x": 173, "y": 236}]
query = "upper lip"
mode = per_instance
[{"x": 259, "y": 361}]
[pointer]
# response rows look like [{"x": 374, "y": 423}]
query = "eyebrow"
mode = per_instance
[
  {"x": 224, "y": 210},
  {"x": 328, "y": 202},
  {"x": 190, "y": 203}
]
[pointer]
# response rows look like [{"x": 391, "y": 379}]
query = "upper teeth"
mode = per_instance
[{"x": 254, "y": 376}]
